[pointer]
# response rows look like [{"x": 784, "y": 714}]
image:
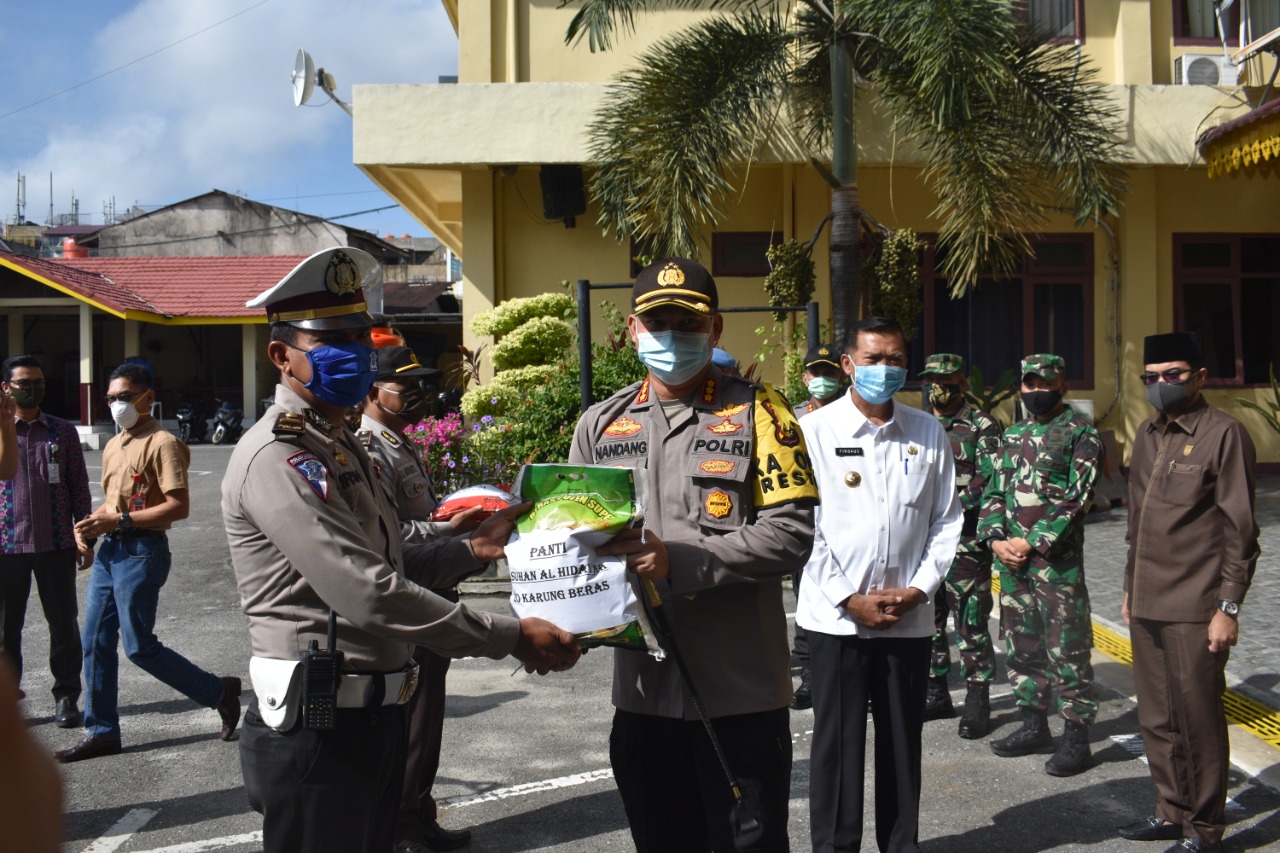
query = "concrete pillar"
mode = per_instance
[{"x": 86, "y": 364}]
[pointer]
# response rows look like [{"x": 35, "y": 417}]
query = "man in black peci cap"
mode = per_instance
[{"x": 1193, "y": 547}]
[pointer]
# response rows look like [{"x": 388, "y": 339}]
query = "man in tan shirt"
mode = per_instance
[
  {"x": 1193, "y": 546},
  {"x": 144, "y": 480}
]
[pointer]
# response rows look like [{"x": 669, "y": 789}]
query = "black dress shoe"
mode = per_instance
[
  {"x": 90, "y": 747},
  {"x": 67, "y": 715},
  {"x": 1195, "y": 845},
  {"x": 1151, "y": 829},
  {"x": 229, "y": 706},
  {"x": 801, "y": 700},
  {"x": 436, "y": 837}
]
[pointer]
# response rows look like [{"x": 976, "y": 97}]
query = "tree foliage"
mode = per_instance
[{"x": 1010, "y": 126}]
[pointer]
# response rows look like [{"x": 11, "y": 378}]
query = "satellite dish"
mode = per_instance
[{"x": 304, "y": 78}]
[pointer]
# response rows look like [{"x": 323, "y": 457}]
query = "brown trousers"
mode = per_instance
[{"x": 1184, "y": 725}]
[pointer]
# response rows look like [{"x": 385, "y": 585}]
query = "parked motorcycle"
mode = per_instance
[
  {"x": 192, "y": 425},
  {"x": 227, "y": 423}
]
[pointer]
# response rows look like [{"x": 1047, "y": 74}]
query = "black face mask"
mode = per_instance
[
  {"x": 1172, "y": 398},
  {"x": 1040, "y": 403},
  {"x": 942, "y": 395}
]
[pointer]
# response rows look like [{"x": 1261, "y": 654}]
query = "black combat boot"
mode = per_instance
[
  {"x": 937, "y": 705},
  {"x": 975, "y": 722},
  {"x": 802, "y": 700},
  {"x": 1073, "y": 756},
  {"x": 1032, "y": 737}
]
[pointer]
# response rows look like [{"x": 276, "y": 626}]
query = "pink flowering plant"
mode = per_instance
[{"x": 458, "y": 454}]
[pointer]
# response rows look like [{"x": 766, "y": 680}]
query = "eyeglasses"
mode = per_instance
[
  {"x": 27, "y": 384},
  {"x": 123, "y": 397},
  {"x": 1173, "y": 376}
]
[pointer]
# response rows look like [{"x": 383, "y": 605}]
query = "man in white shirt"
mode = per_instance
[{"x": 887, "y": 531}]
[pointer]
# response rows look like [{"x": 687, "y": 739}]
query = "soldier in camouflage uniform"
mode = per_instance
[
  {"x": 975, "y": 445},
  {"x": 1033, "y": 519}
]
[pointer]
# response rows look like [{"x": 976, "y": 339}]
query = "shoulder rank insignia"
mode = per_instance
[
  {"x": 365, "y": 437},
  {"x": 289, "y": 427},
  {"x": 642, "y": 396},
  {"x": 391, "y": 438},
  {"x": 313, "y": 471},
  {"x": 709, "y": 394}
]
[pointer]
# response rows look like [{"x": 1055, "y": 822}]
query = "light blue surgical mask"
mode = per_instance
[
  {"x": 877, "y": 383},
  {"x": 674, "y": 357},
  {"x": 822, "y": 387}
]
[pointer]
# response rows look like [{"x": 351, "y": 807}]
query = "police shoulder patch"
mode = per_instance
[
  {"x": 313, "y": 471},
  {"x": 783, "y": 470}
]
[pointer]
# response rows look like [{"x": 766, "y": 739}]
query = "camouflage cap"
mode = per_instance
[
  {"x": 942, "y": 363},
  {"x": 1045, "y": 365}
]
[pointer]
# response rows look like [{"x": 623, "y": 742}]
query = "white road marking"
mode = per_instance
[
  {"x": 210, "y": 844},
  {"x": 528, "y": 788},
  {"x": 1131, "y": 744},
  {"x": 121, "y": 831}
]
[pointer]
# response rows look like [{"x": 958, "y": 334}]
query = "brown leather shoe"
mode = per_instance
[
  {"x": 229, "y": 706},
  {"x": 90, "y": 747}
]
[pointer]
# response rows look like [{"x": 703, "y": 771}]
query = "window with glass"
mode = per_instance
[
  {"x": 1046, "y": 305},
  {"x": 1228, "y": 291},
  {"x": 742, "y": 253},
  {"x": 1062, "y": 20},
  {"x": 1195, "y": 21}
]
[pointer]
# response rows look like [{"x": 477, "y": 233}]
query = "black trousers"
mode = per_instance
[
  {"x": 675, "y": 792},
  {"x": 422, "y": 755},
  {"x": 800, "y": 645},
  {"x": 845, "y": 672},
  {"x": 55, "y": 575},
  {"x": 326, "y": 792}
]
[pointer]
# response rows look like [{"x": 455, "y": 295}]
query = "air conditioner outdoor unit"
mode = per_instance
[{"x": 1204, "y": 69}]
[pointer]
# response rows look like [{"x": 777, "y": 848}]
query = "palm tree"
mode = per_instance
[{"x": 1010, "y": 126}]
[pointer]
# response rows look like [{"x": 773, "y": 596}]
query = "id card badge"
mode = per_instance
[
  {"x": 55, "y": 474},
  {"x": 137, "y": 503}
]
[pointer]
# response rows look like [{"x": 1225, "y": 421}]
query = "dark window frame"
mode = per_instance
[
  {"x": 1031, "y": 278},
  {"x": 1181, "y": 38},
  {"x": 721, "y": 241},
  {"x": 1023, "y": 12},
  {"x": 1230, "y": 276}
]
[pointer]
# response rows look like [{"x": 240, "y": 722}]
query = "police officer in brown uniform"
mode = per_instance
[
  {"x": 824, "y": 380},
  {"x": 394, "y": 403},
  {"x": 730, "y": 513},
  {"x": 316, "y": 548}
]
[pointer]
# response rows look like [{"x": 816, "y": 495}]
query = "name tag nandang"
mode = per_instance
[{"x": 849, "y": 451}]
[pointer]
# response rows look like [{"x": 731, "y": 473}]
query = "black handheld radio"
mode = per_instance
[{"x": 320, "y": 673}]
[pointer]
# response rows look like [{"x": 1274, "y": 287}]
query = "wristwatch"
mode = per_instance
[
  {"x": 1230, "y": 608},
  {"x": 125, "y": 522}
]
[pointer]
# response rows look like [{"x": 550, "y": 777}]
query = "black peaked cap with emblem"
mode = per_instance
[
  {"x": 822, "y": 354},
  {"x": 675, "y": 281},
  {"x": 401, "y": 363},
  {"x": 324, "y": 292}
]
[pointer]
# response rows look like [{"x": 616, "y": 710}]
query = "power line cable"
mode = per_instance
[{"x": 133, "y": 62}]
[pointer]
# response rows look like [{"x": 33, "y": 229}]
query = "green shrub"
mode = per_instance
[
  {"x": 539, "y": 340},
  {"x": 514, "y": 313}
]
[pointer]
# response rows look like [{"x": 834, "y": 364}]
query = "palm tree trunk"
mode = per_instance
[{"x": 846, "y": 249}]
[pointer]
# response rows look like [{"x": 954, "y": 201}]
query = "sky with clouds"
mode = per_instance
[{"x": 215, "y": 111}]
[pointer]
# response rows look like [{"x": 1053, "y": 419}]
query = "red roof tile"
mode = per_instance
[{"x": 176, "y": 287}]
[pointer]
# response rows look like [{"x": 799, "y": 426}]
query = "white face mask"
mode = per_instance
[{"x": 124, "y": 414}]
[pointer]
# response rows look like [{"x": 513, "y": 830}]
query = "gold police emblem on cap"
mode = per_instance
[
  {"x": 824, "y": 351},
  {"x": 342, "y": 276},
  {"x": 671, "y": 276},
  {"x": 853, "y": 479}
]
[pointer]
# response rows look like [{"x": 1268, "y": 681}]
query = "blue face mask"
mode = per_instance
[
  {"x": 877, "y": 383},
  {"x": 674, "y": 357},
  {"x": 342, "y": 373}
]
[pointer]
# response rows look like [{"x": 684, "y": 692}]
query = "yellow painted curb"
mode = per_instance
[{"x": 1255, "y": 718}]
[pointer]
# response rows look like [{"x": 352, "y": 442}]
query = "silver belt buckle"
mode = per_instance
[{"x": 407, "y": 686}]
